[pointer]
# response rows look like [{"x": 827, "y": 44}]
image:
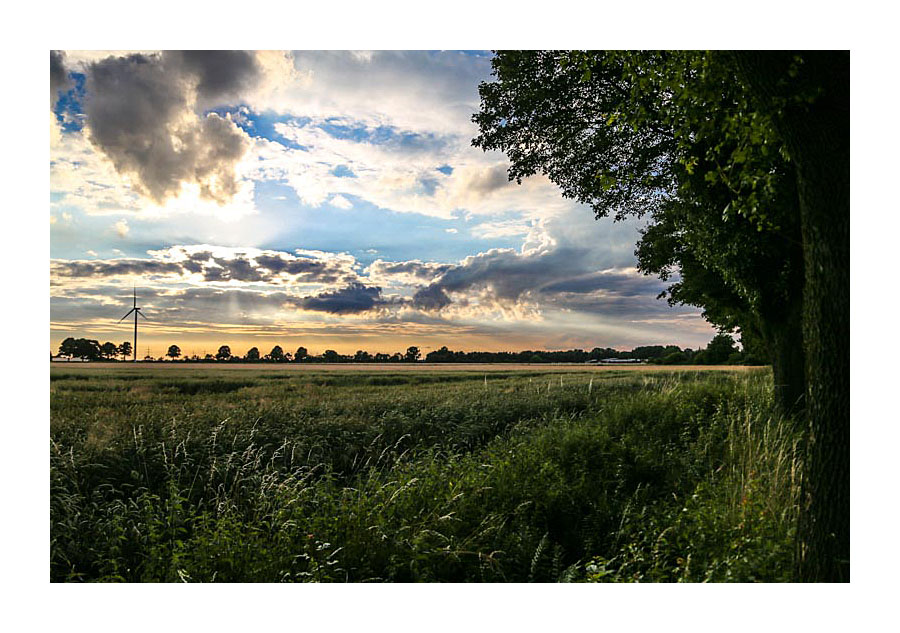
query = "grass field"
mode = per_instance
[{"x": 189, "y": 473}]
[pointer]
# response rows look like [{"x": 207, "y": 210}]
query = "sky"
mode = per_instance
[{"x": 326, "y": 199}]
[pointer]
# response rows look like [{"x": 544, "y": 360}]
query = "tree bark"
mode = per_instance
[
  {"x": 816, "y": 131},
  {"x": 783, "y": 337}
]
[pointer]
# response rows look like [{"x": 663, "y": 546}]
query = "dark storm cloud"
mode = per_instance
[
  {"x": 323, "y": 271},
  {"x": 425, "y": 271},
  {"x": 353, "y": 299},
  {"x": 221, "y": 74},
  {"x": 113, "y": 268},
  {"x": 238, "y": 268},
  {"x": 431, "y": 298},
  {"x": 269, "y": 267},
  {"x": 145, "y": 113},
  {"x": 59, "y": 78}
]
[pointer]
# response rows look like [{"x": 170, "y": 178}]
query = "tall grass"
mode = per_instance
[{"x": 511, "y": 477}]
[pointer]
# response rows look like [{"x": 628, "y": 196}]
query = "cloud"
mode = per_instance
[
  {"x": 412, "y": 272},
  {"x": 145, "y": 113},
  {"x": 484, "y": 181},
  {"x": 85, "y": 269},
  {"x": 205, "y": 264},
  {"x": 121, "y": 228},
  {"x": 413, "y": 90},
  {"x": 59, "y": 77},
  {"x": 341, "y": 202},
  {"x": 353, "y": 299},
  {"x": 431, "y": 298}
]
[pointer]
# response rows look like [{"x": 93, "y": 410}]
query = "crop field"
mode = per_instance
[{"x": 260, "y": 473}]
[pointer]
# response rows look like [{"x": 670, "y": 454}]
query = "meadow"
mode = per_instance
[{"x": 523, "y": 475}]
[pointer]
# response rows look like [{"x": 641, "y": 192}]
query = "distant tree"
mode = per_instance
[
  {"x": 173, "y": 352},
  {"x": 208, "y": 357},
  {"x": 412, "y": 354},
  {"x": 719, "y": 349},
  {"x": 108, "y": 350},
  {"x": 288, "y": 357},
  {"x": 441, "y": 355},
  {"x": 87, "y": 348},
  {"x": 277, "y": 354},
  {"x": 300, "y": 354},
  {"x": 125, "y": 350},
  {"x": 362, "y": 356},
  {"x": 252, "y": 354},
  {"x": 331, "y": 356},
  {"x": 381, "y": 357},
  {"x": 224, "y": 353},
  {"x": 68, "y": 347}
]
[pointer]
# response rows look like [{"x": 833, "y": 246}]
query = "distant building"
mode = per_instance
[
  {"x": 67, "y": 359},
  {"x": 620, "y": 361}
]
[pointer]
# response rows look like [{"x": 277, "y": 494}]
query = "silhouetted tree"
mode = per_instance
[
  {"x": 252, "y": 354},
  {"x": 224, "y": 353},
  {"x": 412, "y": 354},
  {"x": 108, "y": 350},
  {"x": 331, "y": 356},
  {"x": 125, "y": 349},
  {"x": 300, "y": 354},
  {"x": 277, "y": 354},
  {"x": 173, "y": 352},
  {"x": 362, "y": 356},
  {"x": 68, "y": 347},
  {"x": 87, "y": 348}
]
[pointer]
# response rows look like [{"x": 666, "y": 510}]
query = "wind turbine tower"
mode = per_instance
[{"x": 136, "y": 310}]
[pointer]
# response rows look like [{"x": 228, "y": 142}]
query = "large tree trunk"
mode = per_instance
[
  {"x": 783, "y": 337},
  {"x": 817, "y": 136}
]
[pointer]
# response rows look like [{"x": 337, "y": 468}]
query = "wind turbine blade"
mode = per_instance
[
  {"x": 127, "y": 315},
  {"x": 142, "y": 314}
]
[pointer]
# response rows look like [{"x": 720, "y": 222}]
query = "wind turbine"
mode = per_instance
[{"x": 136, "y": 311}]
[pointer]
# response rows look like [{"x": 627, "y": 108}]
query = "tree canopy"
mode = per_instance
[{"x": 668, "y": 135}]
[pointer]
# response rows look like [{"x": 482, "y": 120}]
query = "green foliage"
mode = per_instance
[
  {"x": 672, "y": 134},
  {"x": 273, "y": 476}
]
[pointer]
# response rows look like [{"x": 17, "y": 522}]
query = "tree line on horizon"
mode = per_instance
[{"x": 722, "y": 349}]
